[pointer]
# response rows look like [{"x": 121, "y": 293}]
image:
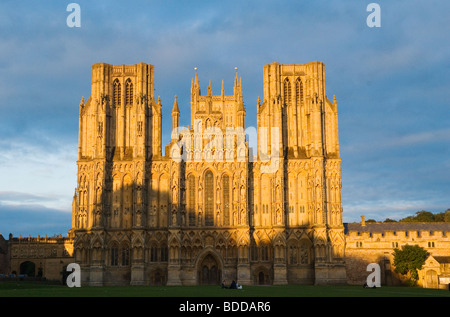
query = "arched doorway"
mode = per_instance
[
  {"x": 157, "y": 278},
  {"x": 262, "y": 276},
  {"x": 209, "y": 272},
  {"x": 28, "y": 268}
]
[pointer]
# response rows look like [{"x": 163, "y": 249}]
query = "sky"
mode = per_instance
[{"x": 392, "y": 85}]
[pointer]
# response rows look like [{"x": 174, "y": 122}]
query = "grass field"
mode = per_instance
[{"x": 40, "y": 289}]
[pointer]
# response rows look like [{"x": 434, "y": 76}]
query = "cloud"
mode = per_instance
[
  {"x": 387, "y": 141},
  {"x": 33, "y": 220},
  {"x": 10, "y": 197},
  {"x": 38, "y": 170}
]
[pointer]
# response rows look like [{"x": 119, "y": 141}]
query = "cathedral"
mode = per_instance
[{"x": 209, "y": 209}]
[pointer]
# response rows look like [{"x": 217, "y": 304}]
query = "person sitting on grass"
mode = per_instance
[
  {"x": 223, "y": 284},
  {"x": 235, "y": 285}
]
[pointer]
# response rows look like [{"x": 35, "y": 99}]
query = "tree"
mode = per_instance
[
  {"x": 409, "y": 260},
  {"x": 447, "y": 215},
  {"x": 421, "y": 216}
]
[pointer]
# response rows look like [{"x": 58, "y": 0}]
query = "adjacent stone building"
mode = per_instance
[
  {"x": 35, "y": 257},
  {"x": 368, "y": 242}
]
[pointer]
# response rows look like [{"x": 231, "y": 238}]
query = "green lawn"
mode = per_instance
[{"x": 35, "y": 289}]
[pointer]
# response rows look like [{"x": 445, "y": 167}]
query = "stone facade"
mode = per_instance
[
  {"x": 375, "y": 243},
  {"x": 208, "y": 209},
  {"x": 45, "y": 257},
  {"x": 365, "y": 243}
]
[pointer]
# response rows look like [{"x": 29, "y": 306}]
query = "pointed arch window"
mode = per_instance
[
  {"x": 125, "y": 255},
  {"x": 117, "y": 92},
  {"x": 153, "y": 253},
  {"x": 287, "y": 91},
  {"x": 299, "y": 91},
  {"x": 164, "y": 254},
  {"x": 209, "y": 198},
  {"x": 264, "y": 253},
  {"x": 114, "y": 255},
  {"x": 128, "y": 92}
]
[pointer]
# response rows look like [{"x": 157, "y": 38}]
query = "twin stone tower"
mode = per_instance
[{"x": 209, "y": 209}]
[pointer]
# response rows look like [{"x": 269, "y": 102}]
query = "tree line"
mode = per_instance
[{"x": 422, "y": 216}]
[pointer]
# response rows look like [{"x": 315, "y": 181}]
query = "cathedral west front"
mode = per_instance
[{"x": 209, "y": 209}]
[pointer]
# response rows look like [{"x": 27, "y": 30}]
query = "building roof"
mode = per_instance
[
  {"x": 396, "y": 226},
  {"x": 442, "y": 259}
]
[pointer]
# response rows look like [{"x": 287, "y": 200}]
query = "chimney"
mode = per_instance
[{"x": 363, "y": 221}]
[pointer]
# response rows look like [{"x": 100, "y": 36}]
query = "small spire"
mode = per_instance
[
  {"x": 175, "y": 108},
  {"x": 195, "y": 88},
  {"x": 236, "y": 89},
  {"x": 175, "y": 117},
  {"x": 209, "y": 89},
  {"x": 223, "y": 89},
  {"x": 196, "y": 77}
]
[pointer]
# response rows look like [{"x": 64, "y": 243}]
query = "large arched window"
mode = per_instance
[
  {"x": 117, "y": 91},
  {"x": 128, "y": 92},
  {"x": 209, "y": 198}
]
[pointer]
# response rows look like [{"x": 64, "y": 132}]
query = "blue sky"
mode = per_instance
[{"x": 392, "y": 85}]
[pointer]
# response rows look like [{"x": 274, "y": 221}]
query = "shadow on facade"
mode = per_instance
[
  {"x": 148, "y": 225},
  {"x": 357, "y": 273}
]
